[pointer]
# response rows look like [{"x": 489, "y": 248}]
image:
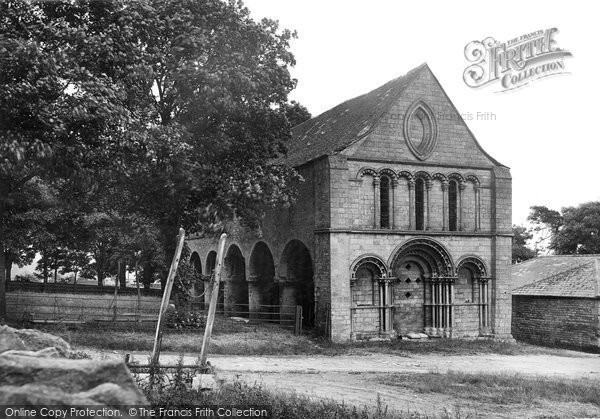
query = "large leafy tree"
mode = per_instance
[
  {"x": 178, "y": 106},
  {"x": 62, "y": 104},
  {"x": 573, "y": 230}
]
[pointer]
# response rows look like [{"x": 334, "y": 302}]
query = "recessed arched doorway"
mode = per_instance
[
  {"x": 198, "y": 283},
  {"x": 236, "y": 287},
  {"x": 263, "y": 291},
  {"x": 422, "y": 290},
  {"x": 296, "y": 281}
]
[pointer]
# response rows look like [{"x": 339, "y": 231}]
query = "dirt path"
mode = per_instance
[{"x": 354, "y": 379}]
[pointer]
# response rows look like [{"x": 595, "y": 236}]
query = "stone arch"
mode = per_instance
[
  {"x": 430, "y": 250},
  {"x": 366, "y": 171},
  {"x": 475, "y": 264},
  {"x": 296, "y": 281},
  {"x": 440, "y": 176},
  {"x": 473, "y": 179},
  {"x": 406, "y": 174},
  {"x": 263, "y": 291},
  {"x": 423, "y": 268},
  {"x": 196, "y": 262},
  {"x": 197, "y": 266},
  {"x": 211, "y": 263},
  {"x": 471, "y": 290},
  {"x": 389, "y": 173},
  {"x": 210, "y": 266},
  {"x": 235, "y": 284},
  {"x": 422, "y": 175},
  {"x": 456, "y": 176},
  {"x": 379, "y": 265},
  {"x": 368, "y": 290}
]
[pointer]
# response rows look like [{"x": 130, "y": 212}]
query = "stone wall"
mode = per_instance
[
  {"x": 556, "y": 321},
  {"x": 80, "y": 307},
  {"x": 337, "y": 217}
]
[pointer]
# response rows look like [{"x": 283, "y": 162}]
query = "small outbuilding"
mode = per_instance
[{"x": 556, "y": 301}]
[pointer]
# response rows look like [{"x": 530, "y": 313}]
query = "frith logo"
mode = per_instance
[{"x": 514, "y": 63}]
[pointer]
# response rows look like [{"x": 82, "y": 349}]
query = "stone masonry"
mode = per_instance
[{"x": 402, "y": 224}]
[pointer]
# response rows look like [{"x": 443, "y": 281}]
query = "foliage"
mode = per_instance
[
  {"x": 574, "y": 230},
  {"x": 185, "y": 319},
  {"x": 296, "y": 113},
  {"x": 520, "y": 250},
  {"x": 122, "y": 121},
  {"x": 176, "y": 393}
]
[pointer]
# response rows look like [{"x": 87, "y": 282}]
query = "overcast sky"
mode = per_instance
[{"x": 545, "y": 132}]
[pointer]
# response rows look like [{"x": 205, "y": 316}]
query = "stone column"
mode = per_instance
[
  {"x": 411, "y": 204},
  {"x": 254, "y": 296},
  {"x": 445, "y": 215},
  {"x": 288, "y": 299},
  {"x": 377, "y": 215},
  {"x": 477, "y": 209},
  {"x": 393, "y": 203},
  {"x": 428, "y": 185},
  {"x": 461, "y": 189}
]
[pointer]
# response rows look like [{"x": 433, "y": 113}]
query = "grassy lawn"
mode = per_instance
[
  {"x": 503, "y": 389},
  {"x": 265, "y": 339}
]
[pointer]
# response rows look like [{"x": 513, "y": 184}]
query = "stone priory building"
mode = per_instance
[{"x": 402, "y": 225}]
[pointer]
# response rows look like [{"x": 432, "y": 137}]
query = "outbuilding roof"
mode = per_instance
[{"x": 558, "y": 276}]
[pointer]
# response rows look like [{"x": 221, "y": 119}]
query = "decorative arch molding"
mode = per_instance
[
  {"x": 440, "y": 176},
  {"x": 407, "y": 175},
  {"x": 369, "y": 259},
  {"x": 473, "y": 261},
  {"x": 420, "y": 115},
  {"x": 473, "y": 179},
  {"x": 423, "y": 175},
  {"x": 389, "y": 173},
  {"x": 366, "y": 171},
  {"x": 456, "y": 176},
  {"x": 429, "y": 249}
]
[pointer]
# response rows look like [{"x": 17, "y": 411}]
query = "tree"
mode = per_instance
[
  {"x": 61, "y": 102},
  {"x": 143, "y": 115},
  {"x": 574, "y": 230},
  {"x": 296, "y": 113},
  {"x": 520, "y": 250}
]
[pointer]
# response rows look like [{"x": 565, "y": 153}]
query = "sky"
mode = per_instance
[{"x": 545, "y": 132}]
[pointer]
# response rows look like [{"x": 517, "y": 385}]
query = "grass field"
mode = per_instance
[{"x": 266, "y": 339}]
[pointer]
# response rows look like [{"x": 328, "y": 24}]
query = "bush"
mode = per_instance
[{"x": 180, "y": 320}]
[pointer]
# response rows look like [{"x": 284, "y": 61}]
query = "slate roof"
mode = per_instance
[
  {"x": 559, "y": 276},
  {"x": 338, "y": 128}
]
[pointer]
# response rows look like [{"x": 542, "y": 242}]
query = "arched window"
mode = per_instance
[
  {"x": 364, "y": 290},
  {"x": 420, "y": 204},
  {"x": 453, "y": 205},
  {"x": 384, "y": 199}
]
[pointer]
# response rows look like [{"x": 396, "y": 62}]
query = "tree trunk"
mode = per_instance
[
  {"x": 45, "y": 267},
  {"x": 147, "y": 275},
  {"x": 2, "y": 286},
  {"x": 8, "y": 261},
  {"x": 122, "y": 274},
  {"x": 99, "y": 256}
]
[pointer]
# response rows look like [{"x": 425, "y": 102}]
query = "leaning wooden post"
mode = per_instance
[
  {"x": 213, "y": 300},
  {"x": 166, "y": 297}
]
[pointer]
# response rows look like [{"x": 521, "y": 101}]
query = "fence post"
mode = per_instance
[
  {"x": 214, "y": 297},
  {"x": 298, "y": 325},
  {"x": 166, "y": 297}
]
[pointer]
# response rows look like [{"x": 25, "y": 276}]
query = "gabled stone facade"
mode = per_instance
[{"x": 403, "y": 224}]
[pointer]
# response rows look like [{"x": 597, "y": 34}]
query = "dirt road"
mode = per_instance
[{"x": 356, "y": 379}]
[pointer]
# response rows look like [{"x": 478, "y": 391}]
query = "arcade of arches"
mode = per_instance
[
  {"x": 421, "y": 290},
  {"x": 262, "y": 294}
]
